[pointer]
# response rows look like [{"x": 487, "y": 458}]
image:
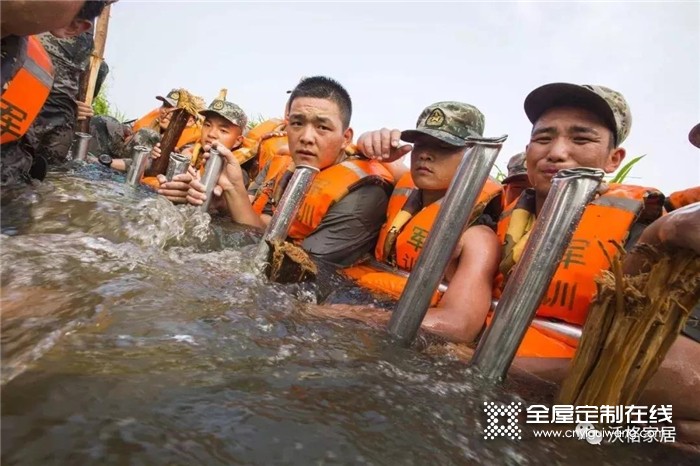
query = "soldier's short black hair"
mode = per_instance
[
  {"x": 322, "y": 87},
  {"x": 91, "y": 9}
]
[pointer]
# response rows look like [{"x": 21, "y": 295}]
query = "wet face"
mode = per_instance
[
  {"x": 434, "y": 163},
  {"x": 219, "y": 129},
  {"x": 315, "y": 132},
  {"x": 568, "y": 137}
]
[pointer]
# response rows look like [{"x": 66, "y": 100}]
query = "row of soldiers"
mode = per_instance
[
  {"x": 368, "y": 214},
  {"x": 364, "y": 202}
]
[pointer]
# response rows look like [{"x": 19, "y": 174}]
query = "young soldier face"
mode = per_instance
[
  {"x": 164, "y": 113},
  {"x": 216, "y": 128},
  {"x": 315, "y": 132},
  {"x": 568, "y": 137},
  {"x": 434, "y": 163}
]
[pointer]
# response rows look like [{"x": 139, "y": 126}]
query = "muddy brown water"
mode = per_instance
[{"x": 136, "y": 332}]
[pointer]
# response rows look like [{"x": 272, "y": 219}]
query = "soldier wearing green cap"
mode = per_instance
[
  {"x": 576, "y": 126},
  {"x": 440, "y": 140},
  {"x": 224, "y": 124},
  {"x": 516, "y": 181},
  {"x": 583, "y": 126}
]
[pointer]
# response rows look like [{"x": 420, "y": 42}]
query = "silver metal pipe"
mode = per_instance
[
  {"x": 437, "y": 251},
  {"x": 571, "y": 191},
  {"x": 568, "y": 333},
  {"x": 178, "y": 165},
  {"x": 286, "y": 210},
  {"x": 139, "y": 159},
  {"x": 212, "y": 171},
  {"x": 80, "y": 146}
]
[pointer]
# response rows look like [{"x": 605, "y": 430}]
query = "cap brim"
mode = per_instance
[
  {"x": 694, "y": 136},
  {"x": 170, "y": 102},
  {"x": 214, "y": 112},
  {"x": 567, "y": 95},
  {"x": 510, "y": 178},
  {"x": 410, "y": 135}
]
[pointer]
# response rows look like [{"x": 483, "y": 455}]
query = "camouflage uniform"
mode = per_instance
[
  {"x": 450, "y": 122},
  {"x": 516, "y": 168},
  {"x": 601, "y": 100},
  {"x": 48, "y": 139},
  {"x": 109, "y": 136},
  {"x": 229, "y": 111},
  {"x": 15, "y": 160}
]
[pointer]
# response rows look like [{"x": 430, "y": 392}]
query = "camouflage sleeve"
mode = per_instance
[{"x": 259, "y": 180}]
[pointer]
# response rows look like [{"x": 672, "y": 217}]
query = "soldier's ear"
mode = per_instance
[
  {"x": 347, "y": 137},
  {"x": 615, "y": 158}
]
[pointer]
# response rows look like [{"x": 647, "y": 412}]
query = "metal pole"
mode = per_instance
[
  {"x": 178, "y": 165},
  {"x": 286, "y": 211},
  {"x": 571, "y": 191},
  {"x": 80, "y": 146},
  {"x": 212, "y": 170},
  {"x": 139, "y": 160},
  {"x": 564, "y": 331},
  {"x": 448, "y": 227}
]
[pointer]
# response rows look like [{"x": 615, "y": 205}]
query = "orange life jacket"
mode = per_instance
[
  {"x": 404, "y": 251},
  {"x": 683, "y": 198},
  {"x": 190, "y": 134},
  {"x": 412, "y": 235},
  {"x": 329, "y": 187},
  {"x": 608, "y": 218},
  {"x": 24, "y": 95}
]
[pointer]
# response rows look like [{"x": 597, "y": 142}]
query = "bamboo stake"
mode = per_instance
[{"x": 96, "y": 59}]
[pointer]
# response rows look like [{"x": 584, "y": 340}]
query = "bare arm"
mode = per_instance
[
  {"x": 461, "y": 313},
  {"x": 232, "y": 182},
  {"x": 679, "y": 229}
]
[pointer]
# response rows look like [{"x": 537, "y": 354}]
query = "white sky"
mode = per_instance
[{"x": 397, "y": 58}]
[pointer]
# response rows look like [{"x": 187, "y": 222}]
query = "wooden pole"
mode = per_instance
[
  {"x": 178, "y": 123},
  {"x": 88, "y": 85}
]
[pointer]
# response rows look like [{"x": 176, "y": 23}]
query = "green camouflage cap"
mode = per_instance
[
  {"x": 694, "y": 136},
  {"x": 229, "y": 111},
  {"x": 450, "y": 122},
  {"x": 607, "y": 103},
  {"x": 516, "y": 167},
  {"x": 171, "y": 99}
]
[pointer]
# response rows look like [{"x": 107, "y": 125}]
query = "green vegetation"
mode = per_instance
[
  {"x": 499, "y": 174},
  {"x": 102, "y": 106},
  {"x": 253, "y": 121},
  {"x": 625, "y": 170}
]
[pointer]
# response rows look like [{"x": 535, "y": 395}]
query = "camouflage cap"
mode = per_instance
[
  {"x": 229, "y": 111},
  {"x": 607, "y": 103},
  {"x": 450, "y": 122},
  {"x": 516, "y": 167},
  {"x": 171, "y": 99},
  {"x": 694, "y": 136}
]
